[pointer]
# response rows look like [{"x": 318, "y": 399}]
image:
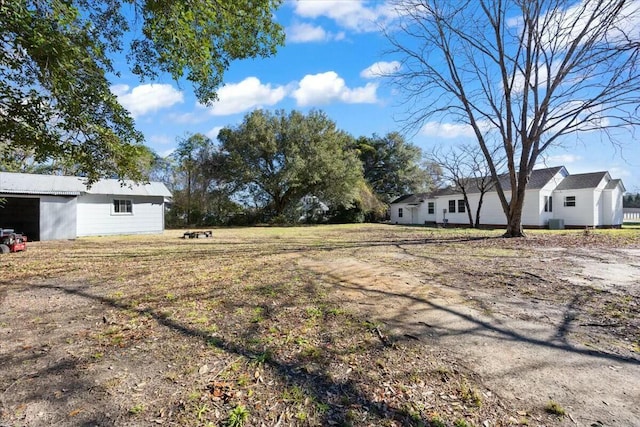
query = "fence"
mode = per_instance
[{"x": 631, "y": 215}]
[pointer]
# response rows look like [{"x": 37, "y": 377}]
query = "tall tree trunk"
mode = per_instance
[
  {"x": 480, "y": 200},
  {"x": 514, "y": 219},
  {"x": 466, "y": 203}
]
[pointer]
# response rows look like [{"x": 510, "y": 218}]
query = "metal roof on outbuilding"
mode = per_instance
[{"x": 27, "y": 183}]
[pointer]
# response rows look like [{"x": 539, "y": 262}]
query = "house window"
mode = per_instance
[
  {"x": 399, "y": 212},
  {"x": 122, "y": 206},
  {"x": 431, "y": 208},
  {"x": 548, "y": 204},
  {"x": 452, "y": 206},
  {"x": 570, "y": 201},
  {"x": 461, "y": 207}
]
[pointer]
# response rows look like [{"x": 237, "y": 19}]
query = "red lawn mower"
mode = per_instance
[{"x": 10, "y": 241}]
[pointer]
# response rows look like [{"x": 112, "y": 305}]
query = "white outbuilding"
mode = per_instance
[{"x": 51, "y": 207}]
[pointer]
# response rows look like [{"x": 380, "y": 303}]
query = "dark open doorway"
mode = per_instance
[{"x": 23, "y": 215}]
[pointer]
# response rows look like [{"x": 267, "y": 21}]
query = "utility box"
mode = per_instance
[{"x": 556, "y": 224}]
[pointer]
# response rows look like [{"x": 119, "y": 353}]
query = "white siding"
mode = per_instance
[
  {"x": 96, "y": 217},
  {"x": 491, "y": 212},
  {"x": 426, "y": 217},
  {"x": 584, "y": 213},
  {"x": 612, "y": 206},
  {"x": 57, "y": 217}
]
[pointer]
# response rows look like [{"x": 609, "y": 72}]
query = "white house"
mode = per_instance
[
  {"x": 50, "y": 207},
  {"x": 588, "y": 199}
]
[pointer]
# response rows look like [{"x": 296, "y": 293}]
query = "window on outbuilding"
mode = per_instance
[
  {"x": 570, "y": 201},
  {"x": 399, "y": 212},
  {"x": 461, "y": 207},
  {"x": 122, "y": 206},
  {"x": 548, "y": 204},
  {"x": 452, "y": 206},
  {"x": 431, "y": 208}
]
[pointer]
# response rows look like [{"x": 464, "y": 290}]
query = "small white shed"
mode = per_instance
[{"x": 51, "y": 207}]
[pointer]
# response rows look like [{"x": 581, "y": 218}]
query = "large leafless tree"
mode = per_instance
[{"x": 521, "y": 73}]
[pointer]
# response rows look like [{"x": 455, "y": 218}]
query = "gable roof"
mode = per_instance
[
  {"x": 413, "y": 199},
  {"x": 27, "y": 183},
  {"x": 614, "y": 183},
  {"x": 582, "y": 180},
  {"x": 538, "y": 179}
]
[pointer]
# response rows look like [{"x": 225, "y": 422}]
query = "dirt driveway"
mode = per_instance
[{"x": 524, "y": 346}]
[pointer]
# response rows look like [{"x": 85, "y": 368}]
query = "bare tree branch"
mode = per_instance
[{"x": 524, "y": 73}]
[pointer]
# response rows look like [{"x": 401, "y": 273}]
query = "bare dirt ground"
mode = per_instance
[
  {"x": 365, "y": 325},
  {"x": 528, "y": 349}
]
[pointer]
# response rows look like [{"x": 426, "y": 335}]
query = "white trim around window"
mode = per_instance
[{"x": 122, "y": 207}]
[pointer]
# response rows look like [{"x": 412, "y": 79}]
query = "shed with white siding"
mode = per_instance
[{"x": 51, "y": 207}]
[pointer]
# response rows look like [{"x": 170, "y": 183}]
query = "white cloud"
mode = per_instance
[
  {"x": 380, "y": 69},
  {"x": 305, "y": 33},
  {"x": 213, "y": 133},
  {"x": 562, "y": 159},
  {"x": 248, "y": 94},
  {"x": 564, "y": 26},
  {"x": 351, "y": 14},
  {"x": 447, "y": 130},
  {"x": 147, "y": 98},
  {"x": 323, "y": 88}
]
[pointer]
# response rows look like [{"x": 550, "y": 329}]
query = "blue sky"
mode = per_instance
[{"x": 332, "y": 61}]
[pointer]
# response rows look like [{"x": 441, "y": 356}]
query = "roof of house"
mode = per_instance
[
  {"x": 613, "y": 184},
  {"x": 538, "y": 179},
  {"x": 413, "y": 198},
  {"x": 582, "y": 180},
  {"x": 26, "y": 183}
]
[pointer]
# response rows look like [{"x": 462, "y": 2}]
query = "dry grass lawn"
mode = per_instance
[{"x": 247, "y": 328}]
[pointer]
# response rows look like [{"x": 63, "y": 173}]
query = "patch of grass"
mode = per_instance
[
  {"x": 293, "y": 394},
  {"x": 136, "y": 409},
  {"x": 335, "y": 311},
  {"x": 262, "y": 358},
  {"x": 554, "y": 408},
  {"x": 201, "y": 411},
  {"x": 470, "y": 395},
  {"x": 461, "y": 423},
  {"x": 436, "y": 421},
  {"x": 311, "y": 352},
  {"x": 258, "y": 315},
  {"x": 237, "y": 417},
  {"x": 313, "y": 312}
]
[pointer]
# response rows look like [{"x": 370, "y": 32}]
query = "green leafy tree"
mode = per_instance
[
  {"x": 194, "y": 184},
  {"x": 391, "y": 166},
  {"x": 55, "y": 100},
  {"x": 278, "y": 158},
  {"x": 631, "y": 200}
]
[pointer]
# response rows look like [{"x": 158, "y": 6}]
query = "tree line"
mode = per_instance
[
  {"x": 631, "y": 200},
  {"x": 512, "y": 72},
  {"x": 289, "y": 167}
]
